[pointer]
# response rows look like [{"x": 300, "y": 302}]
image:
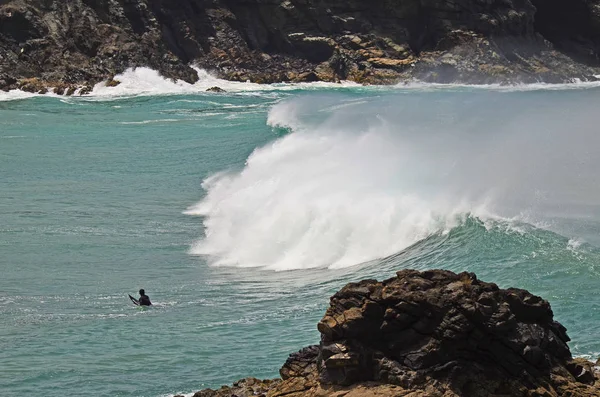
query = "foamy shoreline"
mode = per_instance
[{"x": 148, "y": 82}]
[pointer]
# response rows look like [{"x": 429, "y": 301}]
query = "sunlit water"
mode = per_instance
[{"x": 241, "y": 213}]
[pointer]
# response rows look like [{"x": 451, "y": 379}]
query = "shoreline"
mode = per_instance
[
  {"x": 36, "y": 85},
  {"x": 143, "y": 81},
  {"x": 72, "y": 48}
]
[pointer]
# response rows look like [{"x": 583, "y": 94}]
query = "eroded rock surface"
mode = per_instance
[
  {"x": 435, "y": 333},
  {"x": 446, "y": 332},
  {"x": 81, "y": 42}
]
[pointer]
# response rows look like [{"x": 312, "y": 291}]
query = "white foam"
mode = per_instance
[
  {"x": 576, "y": 84},
  {"x": 145, "y": 81},
  {"x": 141, "y": 81},
  {"x": 321, "y": 197},
  {"x": 573, "y": 244},
  {"x": 356, "y": 183},
  {"x": 159, "y": 121},
  {"x": 14, "y": 95}
]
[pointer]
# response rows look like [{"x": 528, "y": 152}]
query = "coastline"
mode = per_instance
[
  {"x": 143, "y": 81},
  {"x": 68, "y": 50}
]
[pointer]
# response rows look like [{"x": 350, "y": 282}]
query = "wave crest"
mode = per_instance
[
  {"x": 362, "y": 176},
  {"x": 323, "y": 197}
]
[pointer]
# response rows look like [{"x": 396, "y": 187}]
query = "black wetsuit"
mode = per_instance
[{"x": 144, "y": 301}]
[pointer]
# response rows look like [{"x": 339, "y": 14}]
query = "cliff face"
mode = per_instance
[
  {"x": 432, "y": 333},
  {"x": 380, "y": 41}
]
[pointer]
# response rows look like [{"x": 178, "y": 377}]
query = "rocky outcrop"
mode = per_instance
[
  {"x": 434, "y": 333},
  {"x": 80, "y": 42},
  {"x": 247, "y": 387}
]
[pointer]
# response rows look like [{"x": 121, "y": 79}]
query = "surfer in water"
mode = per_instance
[{"x": 144, "y": 300}]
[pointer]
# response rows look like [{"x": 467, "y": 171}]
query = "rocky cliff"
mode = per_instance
[
  {"x": 80, "y": 42},
  {"x": 432, "y": 333}
]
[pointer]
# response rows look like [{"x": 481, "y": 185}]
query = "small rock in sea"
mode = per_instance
[
  {"x": 86, "y": 89},
  {"x": 112, "y": 82},
  {"x": 215, "y": 89}
]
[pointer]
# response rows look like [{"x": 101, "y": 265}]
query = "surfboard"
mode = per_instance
[{"x": 135, "y": 301}]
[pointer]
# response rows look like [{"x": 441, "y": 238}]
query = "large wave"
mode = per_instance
[{"x": 360, "y": 178}]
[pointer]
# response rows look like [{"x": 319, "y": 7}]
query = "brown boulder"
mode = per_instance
[
  {"x": 438, "y": 325},
  {"x": 33, "y": 85},
  {"x": 436, "y": 334},
  {"x": 248, "y": 387}
]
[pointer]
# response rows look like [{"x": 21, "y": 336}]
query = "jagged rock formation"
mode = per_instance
[
  {"x": 80, "y": 42},
  {"x": 432, "y": 333}
]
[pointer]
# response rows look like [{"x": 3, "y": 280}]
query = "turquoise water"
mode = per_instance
[{"x": 240, "y": 214}]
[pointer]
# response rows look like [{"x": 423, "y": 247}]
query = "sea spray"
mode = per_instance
[
  {"x": 146, "y": 81},
  {"x": 326, "y": 195},
  {"x": 364, "y": 178}
]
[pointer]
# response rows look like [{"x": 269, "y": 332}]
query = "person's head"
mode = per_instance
[{"x": 142, "y": 292}]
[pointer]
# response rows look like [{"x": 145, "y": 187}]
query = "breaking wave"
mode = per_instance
[{"x": 356, "y": 179}]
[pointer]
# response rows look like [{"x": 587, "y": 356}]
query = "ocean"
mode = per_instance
[{"x": 241, "y": 213}]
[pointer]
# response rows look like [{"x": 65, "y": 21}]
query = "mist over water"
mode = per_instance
[{"x": 352, "y": 180}]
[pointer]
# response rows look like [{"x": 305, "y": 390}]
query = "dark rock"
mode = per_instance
[
  {"x": 7, "y": 82},
  {"x": 448, "y": 332},
  {"x": 86, "y": 90},
  {"x": 433, "y": 333},
  {"x": 84, "y": 42},
  {"x": 582, "y": 370},
  {"x": 420, "y": 321},
  {"x": 248, "y": 387},
  {"x": 314, "y": 49},
  {"x": 215, "y": 89},
  {"x": 300, "y": 364}
]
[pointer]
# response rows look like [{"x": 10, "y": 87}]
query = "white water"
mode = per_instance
[
  {"x": 14, "y": 95},
  {"x": 144, "y": 81},
  {"x": 364, "y": 178},
  {"x": 328, "y": 195},
  {"x": 357, "y": 180}
]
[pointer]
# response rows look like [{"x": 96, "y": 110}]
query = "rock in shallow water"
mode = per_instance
[
  {"x": 434, "y": 333},
  {"x": 215, "y": 89}
]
